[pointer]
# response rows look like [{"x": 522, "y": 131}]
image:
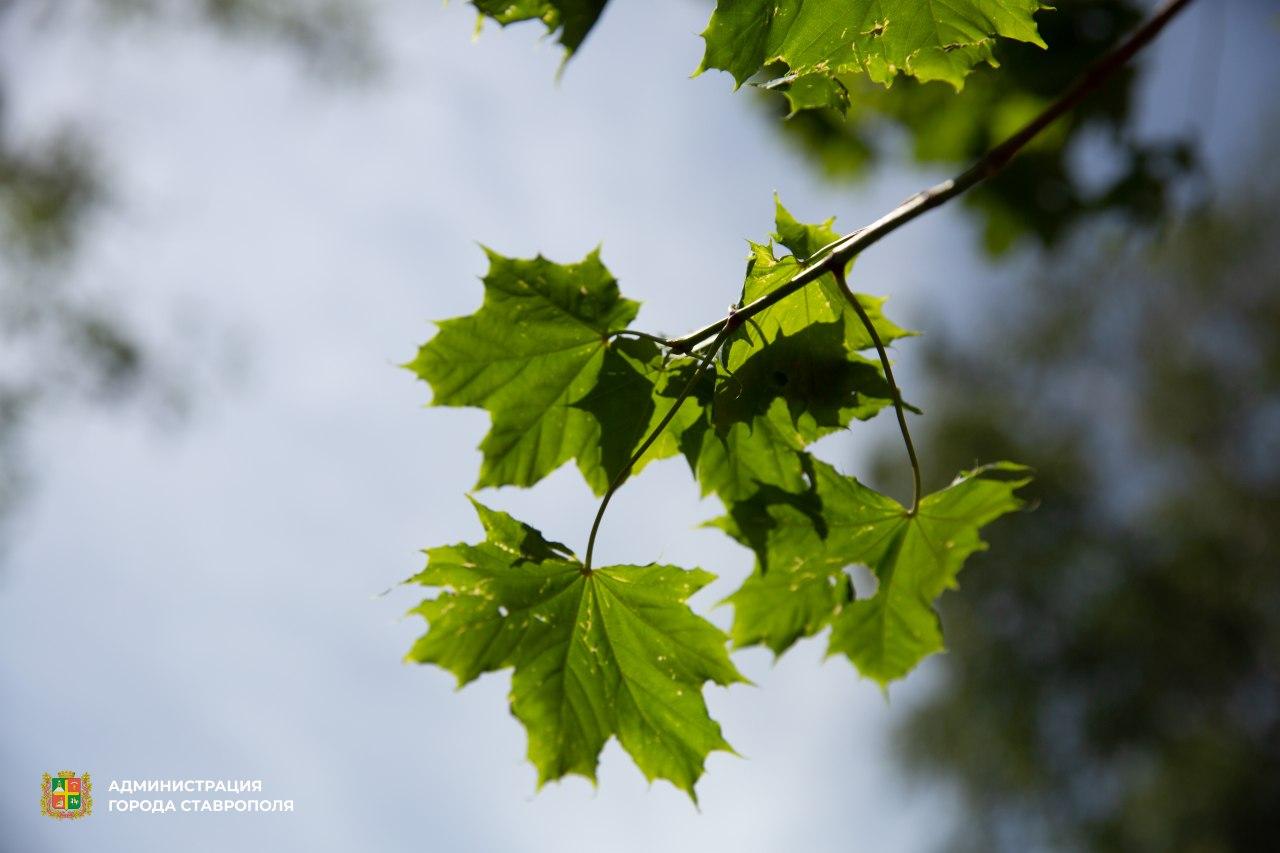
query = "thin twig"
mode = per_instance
[
  {"x": 622, "y": 475},
  {"x": 657, "y": 339},
  {"x": 893, "y": 386},
  {"x": 839, "y": 253},
  {"x": 660, "y": 341}
]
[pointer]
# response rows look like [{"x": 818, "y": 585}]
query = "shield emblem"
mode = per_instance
[{"x": 64, "y": 795}]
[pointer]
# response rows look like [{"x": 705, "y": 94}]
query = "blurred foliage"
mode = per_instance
[
  {"x": 50, "y": 185},
  {"x": 60, "y": 344},
  {"x": 1114, "y": 681},
  {"x": 332, "y": 37},
  {"x": 1045, "y": 191}
]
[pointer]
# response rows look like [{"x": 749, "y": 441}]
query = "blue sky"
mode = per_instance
[{"x": 287, "y": 242}]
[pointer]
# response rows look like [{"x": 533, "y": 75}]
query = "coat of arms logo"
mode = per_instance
[{"x": 64, "y": 795}]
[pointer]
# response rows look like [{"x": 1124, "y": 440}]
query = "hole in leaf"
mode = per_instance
[{"x": 865, "y": 583}]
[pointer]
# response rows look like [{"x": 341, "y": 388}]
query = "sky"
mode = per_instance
[{"x": 208, "y": 602}]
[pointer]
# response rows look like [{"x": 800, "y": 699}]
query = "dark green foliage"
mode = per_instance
[{"x": 570, "y": 20}]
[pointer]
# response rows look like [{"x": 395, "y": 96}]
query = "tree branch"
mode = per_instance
[
  {"x": 834, "y": 257},
  {"x": 838, "y": 254}
]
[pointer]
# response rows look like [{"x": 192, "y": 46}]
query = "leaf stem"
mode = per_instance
[
  {"x": 622, "y": 475},
  {"x": 837, "y": 255},
  {"x": 893, "y": 386},
  {"x": 657, "y": 339}
]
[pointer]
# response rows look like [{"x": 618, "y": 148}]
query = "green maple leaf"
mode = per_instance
[
  {"x": 611, "y": 653},
  {"x": 634, "y": 391},
  {"x": 819, "y": 302},
  {"x": 812, "y": 330},
  {"x": 799, "y": 582},
  {"x": 730, "y": 462},
  {"x": 789, "y": 375},
  {"x": 812, "y": 92},
  {"x": 736, "y": 461},
  {"x": 572, "y": 18},
  {"x": 818, "y": 40},
  {"x": 805, "y": 541},
  {"x": 533, "y": 349},
  {"x": 822, "y": 385},
  {"x": 888, "y": 634}
]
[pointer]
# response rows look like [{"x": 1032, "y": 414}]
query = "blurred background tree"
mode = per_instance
[
  {"x": 1113, "y": 681},
  {"x": 62, "y": 345}
]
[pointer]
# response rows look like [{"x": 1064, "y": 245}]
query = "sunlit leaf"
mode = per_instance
[
  {"x": 881, "y": 38},
  {"x": 790, "y": 374},
  {"x": 533, "y": 349},
  {"x": 613, "y": 653},
  {"x": 805, "y": 542}
]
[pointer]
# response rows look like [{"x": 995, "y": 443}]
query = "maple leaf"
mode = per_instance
[
  {"x": 789, "y": 375},
  {"x": 572, "y": 19},
  {"x": 805, "y": 541},
  {"x": 733, "y": 463},
  {"x": 806, "y": 348},
  {"x": 533, "y": 349},
  {"x": 820, "y": 302},
  {"x": 614, "y": 652},
  {"x": 819, "y": 40},
  {"x": 633, "y": 393}
]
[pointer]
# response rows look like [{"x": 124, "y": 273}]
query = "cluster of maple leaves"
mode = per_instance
[{"x": 615, "y": 651}]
